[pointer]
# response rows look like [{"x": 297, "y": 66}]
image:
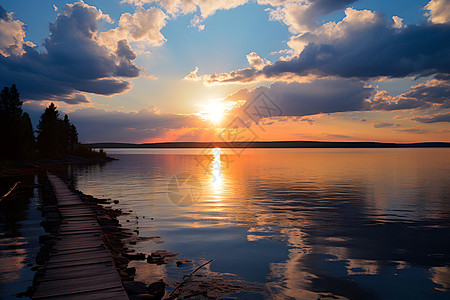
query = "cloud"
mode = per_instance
[
  {"x": 433, "y": 93},
  {"x": 327, "y": 96},
  {"x": 143, "y": 27},
  {"x": 385, "y": 124},
  {"x": 182, "y": 7},
  {"x": 436, "y": 118},
  {"x": 414, "y": 130},
  {"x": 12, "y": 34},
  {"x": 302, "y": 99},
  {"x": 74, "y": 61},
  {"x": 96, "y": 125},
  {"x": 256, "y": 61},
  {"x": 363, "y": 45},
  {"x": 196, "y": 21},
  {"x": 301, "y": 16},
  {"x": 439, "y": 11}
]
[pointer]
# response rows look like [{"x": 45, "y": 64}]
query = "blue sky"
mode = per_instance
[{"x": 76, "y": 63}]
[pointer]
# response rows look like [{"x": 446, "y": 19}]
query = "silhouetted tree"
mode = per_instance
[
  {"x": 56, "y": 136},
  {"x": 27, "y": 142},
  {"x": 16, "y": 131},
  {"x": 73, "y": 138},
  {"x": 47, "y": 129}
]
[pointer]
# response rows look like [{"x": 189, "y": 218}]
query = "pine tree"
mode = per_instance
[
  {"x": 48, "y": 137},
  {"x": 56, "y": 136},
  {"x": 26, "y": 137},
  {"x": 73, "y": 138},
  {"x": 10, "y": 122}
]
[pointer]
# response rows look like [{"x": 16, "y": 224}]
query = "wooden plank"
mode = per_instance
[
  {"x": 84, "y": 249},
  {"x": 85, "y": 256},
  {"x": 79, "y": 244},
  {"x": 82, "y": 272},
  {"x": 65, "y": 264},
  {"x": 76, "y": 285},
  {"x": 110, "y": 293},
  {"x": 74, "y": 231},
  {"x": 70, "y": 247}
]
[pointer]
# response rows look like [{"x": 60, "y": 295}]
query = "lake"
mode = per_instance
[
  {"x": 19, "y": 235},
  {"x": 359, "y": 223}
]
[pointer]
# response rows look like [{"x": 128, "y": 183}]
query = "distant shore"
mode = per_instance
[
  {"x": 14, "y": 168},
  {"x": 283, "y": 144}
]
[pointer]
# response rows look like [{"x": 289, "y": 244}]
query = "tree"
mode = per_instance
[
  {"x": 56, "y": 136},
  {"x": 73, "y": 138},
  {"x": 47, "y": 129},
  {"x": 13, "y": 125},
  {"x": 27, "y": 143}
]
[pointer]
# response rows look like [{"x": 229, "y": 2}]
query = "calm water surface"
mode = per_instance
[
  {"x": 19, "y": 235},
  {"x": 361, "y": 223}
]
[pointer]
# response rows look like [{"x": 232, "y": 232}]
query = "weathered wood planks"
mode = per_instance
[{"x": 80, "y": 266}]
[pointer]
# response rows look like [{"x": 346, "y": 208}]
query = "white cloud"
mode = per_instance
[
  {"x": 398, "y": 22},
  {"x": 197, "y": 22},
  {"x": 354, "y": 20},
  {"x": 256, "y": 61},
  {"x": 301, "y": 16},
  {"x": 439, "y": 11},
  {"x": 144, "y": 27},
  {"x": 12, "y": 35}
]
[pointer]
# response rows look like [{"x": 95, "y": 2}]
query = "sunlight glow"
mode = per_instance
[
  {"x": 215, "y": 111},
  {"x": 216, "y": 171}
]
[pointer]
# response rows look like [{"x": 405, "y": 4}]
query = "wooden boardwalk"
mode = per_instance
[{"x": 81, "y": 267}]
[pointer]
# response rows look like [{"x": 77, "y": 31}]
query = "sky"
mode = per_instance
[{"x": 191, "y": 70}]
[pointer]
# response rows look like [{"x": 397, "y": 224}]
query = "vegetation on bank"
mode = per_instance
[{"x": 55, "y": 138}]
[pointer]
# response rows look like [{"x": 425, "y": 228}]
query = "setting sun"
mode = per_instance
[{"x": 214, "y": 111}]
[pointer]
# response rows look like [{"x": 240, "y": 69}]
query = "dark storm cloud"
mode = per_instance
[
  {"x": 377, "y": 51},
  {"x": 73, "y": 62},
  {"x": 364, "y": 45},
  {"x": 345, "y": 95},
  {"x": 319, "y": 96}
]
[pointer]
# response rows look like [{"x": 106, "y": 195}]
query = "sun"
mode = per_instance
[{"x": 214, "y": 111}]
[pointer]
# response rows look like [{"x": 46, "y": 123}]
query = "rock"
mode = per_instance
[
  {"x": 137, "y": 256},
  {"x": 131, "y": 271},
  {"x": 116, "y": 201},
  {"x": 135, "y": 287},
  {"x": 120, "y": 260},
  {"x": 157, "y": 289},
  {"x": 160, "y": 257}
]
